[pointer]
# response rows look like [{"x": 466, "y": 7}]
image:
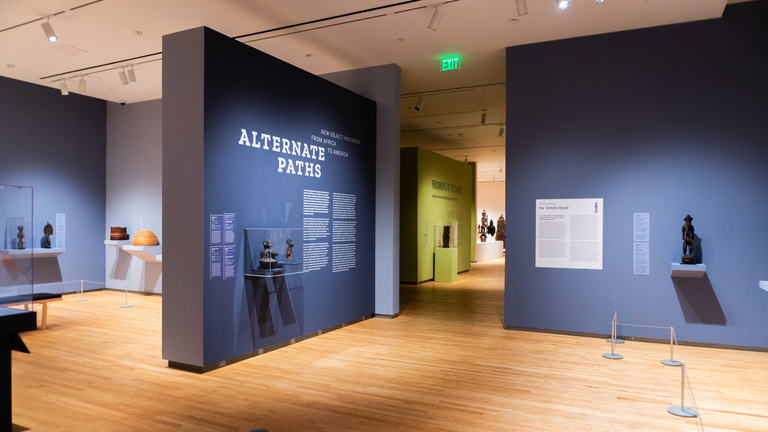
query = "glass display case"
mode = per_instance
[
  {"x": 273, "y": 251},
  {"x": 16, "y": 287}
]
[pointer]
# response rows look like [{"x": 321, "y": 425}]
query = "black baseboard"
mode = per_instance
[{"x": 637, "y": 339}]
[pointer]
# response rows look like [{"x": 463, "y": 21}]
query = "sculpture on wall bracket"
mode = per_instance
[{"x": 688, "y": 235}]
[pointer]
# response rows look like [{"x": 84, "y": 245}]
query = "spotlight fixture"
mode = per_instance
[
  {"x": 562, "y": 4},
  {"x": 419, "y": 104},
  {"x": 49, "y": 33},
  {"x": 499, "y": 170},
  {"x": 501, "y": 131},
  {"x": 63, "y": 87},
  {"x": 435, "y": 21},
  {"x": 131, "y": 75},
  {"x": 522, "y": 7},
  {"x": 123, "y": 77},
  {"x": 466, "y": 159},
  {"x": 81, "y": 85},
  {"x": 482, "y": 118}
]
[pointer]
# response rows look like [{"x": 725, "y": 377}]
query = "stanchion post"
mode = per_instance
[
  {"x": 126, "y": 305},
  {"x": 672, "y": 361},
  {"x": 81, "y": 299},
  {"x": 613, "y": 339},
  {"x": 612, "y": 355},
  {"x": 681, "y": 410}
]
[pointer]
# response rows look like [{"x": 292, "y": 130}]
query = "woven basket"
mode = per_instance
[{"x": 144, "y": 238}]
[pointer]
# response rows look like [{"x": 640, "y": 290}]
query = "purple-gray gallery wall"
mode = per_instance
[{"x": 667, "y": 121}]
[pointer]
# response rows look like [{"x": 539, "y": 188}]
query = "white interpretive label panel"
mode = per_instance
[{"x": 569, "y": 233}]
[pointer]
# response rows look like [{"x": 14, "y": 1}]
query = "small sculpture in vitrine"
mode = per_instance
[
  {"x": 268, "y": 257},
  {"x": 688, "y": 236},
  {"x": 491, "y": 229},
  {"x": 20, "y": 237},
  {"x": 446, "y": 236},
  {"x": 45, "y": 242},
  {"x": 289, "y": 249}
]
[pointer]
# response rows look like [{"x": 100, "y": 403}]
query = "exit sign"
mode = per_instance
[{"x": 450, "y": 63}]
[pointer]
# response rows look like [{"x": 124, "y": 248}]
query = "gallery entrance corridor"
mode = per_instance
[
  {"x": 445, "y": 364},
  {"x": 476, "y": 298}
]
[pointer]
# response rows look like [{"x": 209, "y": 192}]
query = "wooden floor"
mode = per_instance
[{"x": 446, "y": 364}]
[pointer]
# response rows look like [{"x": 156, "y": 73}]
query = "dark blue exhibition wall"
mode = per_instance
[
  {"x": 667, "y": 121},
  {"x": 253, "y": 143},
  {"x": 56, "y": 144}
]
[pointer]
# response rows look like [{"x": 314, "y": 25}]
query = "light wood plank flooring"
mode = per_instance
[{"x": 446, "y": 364}]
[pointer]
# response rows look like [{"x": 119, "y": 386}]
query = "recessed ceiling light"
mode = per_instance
[
  {"x": 400, "y": 39},
  {"x": 138, "y": 32},
  {"x": 309, "y": 55},
  {"x": 10, "y": 65}
]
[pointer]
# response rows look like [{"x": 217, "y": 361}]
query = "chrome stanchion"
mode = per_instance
[
  {"x": 613, "y": 339},
  {"x": 681, "y": 410},
  {"x": 672, "y": 361},
  {"x": 612, "y": 355},
  {"x": 81, "y": 299},
  {"x": 126, "y": 305}
]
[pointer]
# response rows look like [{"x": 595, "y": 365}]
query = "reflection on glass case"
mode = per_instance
[
  {"x": 273, "y": 251},
  {"x": 16, "y": 245}
]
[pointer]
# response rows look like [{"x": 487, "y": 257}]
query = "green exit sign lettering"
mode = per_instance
[{"x": 451, "y": 63}]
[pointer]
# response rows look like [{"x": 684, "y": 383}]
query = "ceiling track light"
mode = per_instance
[
  {"x": 435, "y": 21},
  {"x": 63, "y": 87},
  {"x": 81, "y": 85},
  {"x": 131, "y": 75},
  {"x": 48, "y": 29},
  {"x": 562, "y": 4},
  {"x": 123, "y": 77},
  {"x": 501, "y": 131},
  {"x": 482, "y": 118},
  {"x": 419, "y": 104},
  {"x": 522, "y": 7}
]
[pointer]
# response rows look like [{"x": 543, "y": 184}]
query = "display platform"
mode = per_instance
[
  {"x": 764, "y": 285},
  {"x": 488, "y": 250},
  {"x": 31, "y": 253},
  {"x": 688, "y": 270},
  {"x": 446, "y": 264},
  {"x": 152, "y": 254}
]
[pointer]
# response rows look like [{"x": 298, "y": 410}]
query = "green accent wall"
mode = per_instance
[{"x": 433, "y": 188}]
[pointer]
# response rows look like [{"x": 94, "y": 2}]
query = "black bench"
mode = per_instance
[{"x": 43, "y": 299}]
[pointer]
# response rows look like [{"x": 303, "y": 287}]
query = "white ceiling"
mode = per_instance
[{"x": 97, "y": 38}]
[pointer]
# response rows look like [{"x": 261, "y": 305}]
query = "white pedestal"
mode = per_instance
[
  {"x": 764, "y": 285},
  {"x": 488, "y": 250},
  {"x": 31, "y": 253},
  {"x": 146, "y": 253}
]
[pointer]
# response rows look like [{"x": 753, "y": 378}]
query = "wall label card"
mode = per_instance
[
  {"x": 217, "y": 226},
  {"x": 642, "y": 245},
  {"x": 569, "y": 233},
  {"x": 61, "y": 231},
  {"x": 229, "y": 262},
  {"x": 642, "y": 258},
  {"x": 217, "y": 255},
  {"x": 230, "y": 224},
  {"x": 642, "y": 227}
]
